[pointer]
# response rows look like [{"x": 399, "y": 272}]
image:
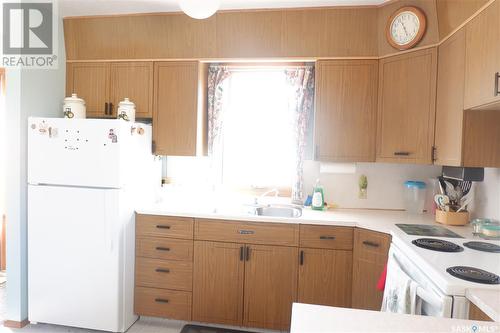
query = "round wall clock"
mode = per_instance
[{"x": 406, "y": 27}]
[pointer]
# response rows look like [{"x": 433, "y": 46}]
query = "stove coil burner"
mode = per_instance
[
  {"x": 474, "y": 275},
  {"x": 437, "y": 245},
  {"x": 483, "y": 246}
]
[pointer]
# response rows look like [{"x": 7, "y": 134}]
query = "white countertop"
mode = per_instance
[
  {"x": 488, "y": 301},
  {"x": 308, "y": 318},
  {"x": 376, "y": 220}
]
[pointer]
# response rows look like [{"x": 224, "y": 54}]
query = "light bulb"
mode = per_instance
[{"x": 199, "y": 9}]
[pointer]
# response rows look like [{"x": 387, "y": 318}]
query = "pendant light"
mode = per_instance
[{"x": 199, "y": 9}]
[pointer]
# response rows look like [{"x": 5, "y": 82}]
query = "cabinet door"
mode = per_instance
[
  {"x": 325, "y": 277},
  {"x": 370, "y": 256},
  {"x": 346, "y": 110},
  {"x": 133, "y": 80},
  {"x": 449, "y": 105},
  {"x": 270, "y": 286},
  {"x": 482, "y": 57},
  {"x": 218, "y": 282},
  {"x": 175, "y": 111},
  {"x": 90, "y": 81},
  {"x": 481, "y": 147},
  {"x": 407, "y": 91}
]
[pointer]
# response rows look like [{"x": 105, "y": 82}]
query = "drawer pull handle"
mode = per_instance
[
  {"x": 246, "y": 232},
  {"x": 159, "y": 248},
  {"x": 372, "y": 244},
  {"x": 161, "y": 300},
  {"x": 327, "y": 237},
  {"x": 162, "y": 226},
  {"x": 163, "y": 270},
  {"x": 401, "y": 153}
]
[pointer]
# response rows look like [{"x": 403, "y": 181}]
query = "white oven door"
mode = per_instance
[{"x": 433, "y": 301}]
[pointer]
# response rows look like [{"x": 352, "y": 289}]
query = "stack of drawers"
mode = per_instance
[{"x": 164, "y": 266}]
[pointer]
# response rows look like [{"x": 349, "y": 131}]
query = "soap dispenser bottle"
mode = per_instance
[{"x": 318, "y": 198}]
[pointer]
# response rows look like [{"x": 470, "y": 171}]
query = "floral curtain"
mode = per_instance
[
  {"x": 301, "y": 80},
  {"x": 216, "y": 77}
]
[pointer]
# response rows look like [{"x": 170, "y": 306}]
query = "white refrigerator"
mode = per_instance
[{"x": 85, "y": 178}]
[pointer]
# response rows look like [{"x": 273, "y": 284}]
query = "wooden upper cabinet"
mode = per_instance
[
  {"x": 325, "y": 277},
  {"x": 133, "y": 80},
  {"x": 481, "y": 144},
  {"x": 346, "y": 110},
  {"x": 90, "y": 81},
  {"x": 482, "y": 61},
  {"x": 369, "y": 258},
  {"x": 449, "y": 104},
  {"x": 407, "y": 98},
  {"x": 218, "y": 282},
  {"x": 176, "y": 107},
  {"x": 249, "y": 34},
  {"x": 270, "y": 286}
]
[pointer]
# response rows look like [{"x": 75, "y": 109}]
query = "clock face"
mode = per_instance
[{"x": 404, "y": 28}]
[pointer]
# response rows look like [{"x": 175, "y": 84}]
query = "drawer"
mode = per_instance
[
  {"x": 368, "y": 244},
  {"x": 325, "y": 237},
  {"x": 165, "y": 274},
  {"x": 164, "y": 226},
  {"x": 170, "y": 304},
  {"x": 247, "y": 232},
  {"x": 164, "y": 248}
]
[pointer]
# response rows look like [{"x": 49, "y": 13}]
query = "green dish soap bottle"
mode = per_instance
[{"x": 318, "y": 198}]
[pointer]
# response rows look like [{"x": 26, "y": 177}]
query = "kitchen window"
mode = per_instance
[{"x": 260, "y": 124}]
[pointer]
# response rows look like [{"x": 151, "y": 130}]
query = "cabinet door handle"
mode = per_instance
[
  {"x": 106, "y": 105},
  {"x": 110, "y": 109},
  {"x": 160, "y": 248},
  {"x": 372, "y": 244},
  {"x": 497, "y": 78},
  {"x": 301, "y": 258},
  {"x": 242, "y": 253},
  {"x": 163, "y": 226},
  {"x": 162, "y": 270},
  {"x": 327, "y": 237},
  {"x": 401, "y": 153},
  {"x": 246, "y": 232},
  {"x": 161, "y": 300},
  {"x": 247, "y": 254}
]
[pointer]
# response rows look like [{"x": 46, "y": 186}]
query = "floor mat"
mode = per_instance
[{"x": 208, "y": 329}]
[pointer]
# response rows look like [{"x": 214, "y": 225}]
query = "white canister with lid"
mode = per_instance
[
  {"x": 74, "y": 108},
  {"x": 126, "y": 110}
]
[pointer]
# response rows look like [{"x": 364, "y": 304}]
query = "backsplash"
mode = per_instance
[{"x": 385, "y": 183}]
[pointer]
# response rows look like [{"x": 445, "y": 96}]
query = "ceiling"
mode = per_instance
[{"x": 109, "y": 7}]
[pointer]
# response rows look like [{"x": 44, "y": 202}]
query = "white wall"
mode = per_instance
[
  {"x": 487, "y": 196},
  {"x": 385, "y": 183},
  {"x": 33, "y": 92}
]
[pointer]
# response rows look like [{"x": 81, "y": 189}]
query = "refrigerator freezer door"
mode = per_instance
[
  {"x": 75, "y": 255},
  {"x": 78, "y": 152}
]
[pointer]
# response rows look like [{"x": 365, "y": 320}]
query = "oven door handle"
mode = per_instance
[
  {"x": 427, "y": 297},
  {"x": 423, "y": 294}
]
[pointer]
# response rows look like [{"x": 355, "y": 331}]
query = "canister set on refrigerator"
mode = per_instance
[{"x": 74, "y": 108}]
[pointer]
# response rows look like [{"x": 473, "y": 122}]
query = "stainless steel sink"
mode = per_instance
[{"x": 279, "y": 211}]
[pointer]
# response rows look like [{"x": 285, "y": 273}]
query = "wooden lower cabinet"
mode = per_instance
[
  {"x": 325, "y": 277},
  {"x": 369, "y": 259},
  {"x": 218, "y": 282},
  {"x": 249, "y": 285},
  {"x": 163, "y": 303},
  {"x": 270, "y": 286}
]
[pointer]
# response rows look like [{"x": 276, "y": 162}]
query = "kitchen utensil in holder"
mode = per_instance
[{"x": 452, "y": 218}]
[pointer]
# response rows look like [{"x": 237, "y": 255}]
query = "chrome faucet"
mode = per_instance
[{"x": 265, "y": 194}]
